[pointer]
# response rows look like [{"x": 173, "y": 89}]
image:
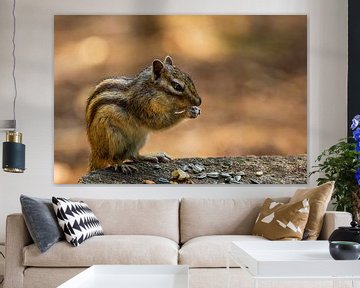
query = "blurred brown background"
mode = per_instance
[{"x": 251, "y": 72}]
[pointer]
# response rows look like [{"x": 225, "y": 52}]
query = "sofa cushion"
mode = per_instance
[
  {"x": 201, "y": 217},
  {"x": 137, "y": 217},
  {"x": 211, "y": 251},
  {"x": 107, "y": 249}
]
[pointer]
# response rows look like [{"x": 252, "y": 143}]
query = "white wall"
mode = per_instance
[{"x": 326, "y": 106}]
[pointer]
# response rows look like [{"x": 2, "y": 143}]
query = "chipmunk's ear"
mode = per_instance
[
  {"x": 157, "y": 69},
  {"x": 168, "y": 60}
]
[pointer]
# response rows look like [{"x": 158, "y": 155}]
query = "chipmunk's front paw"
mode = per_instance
[{"x": 125, "y": 168}]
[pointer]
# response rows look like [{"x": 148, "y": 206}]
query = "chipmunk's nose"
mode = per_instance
[{"x": 197, "y": 101}]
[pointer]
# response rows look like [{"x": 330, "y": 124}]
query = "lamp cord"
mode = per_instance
[{"x": 14, "y": 60}]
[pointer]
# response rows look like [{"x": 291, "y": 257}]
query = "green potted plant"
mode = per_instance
[{"x": 341, "y": 163}]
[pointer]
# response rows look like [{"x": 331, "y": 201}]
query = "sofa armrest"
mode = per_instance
[
  {"x": 333, "y": 220},
  {"x": 17, "y": 237}
]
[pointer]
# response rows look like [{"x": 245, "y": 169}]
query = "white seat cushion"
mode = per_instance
[
  {"x": 107, "y": 249},
  {"x": 211, "y": 251}
]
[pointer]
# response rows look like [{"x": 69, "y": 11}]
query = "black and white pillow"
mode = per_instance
[{"x": 77, "y": 220}]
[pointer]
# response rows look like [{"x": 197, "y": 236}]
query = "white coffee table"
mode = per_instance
[
  {"x": 292, "y": 260},
  {"x": 131, "y": 276}
]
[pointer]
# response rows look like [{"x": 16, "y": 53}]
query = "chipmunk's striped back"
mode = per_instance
[{"x": 108, "y": 92}]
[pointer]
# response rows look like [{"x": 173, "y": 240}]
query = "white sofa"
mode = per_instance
[{"x": 194, "y": 232}]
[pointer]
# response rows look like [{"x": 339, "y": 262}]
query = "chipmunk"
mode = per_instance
[{"x": 122, "y": 111}]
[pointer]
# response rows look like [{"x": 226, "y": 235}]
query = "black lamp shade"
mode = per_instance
[{"x": 13, "y": 157}]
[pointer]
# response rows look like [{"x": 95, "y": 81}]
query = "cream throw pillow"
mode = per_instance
[
  {"x": 279, "y": 221},
  {"x": 319, "y": 198}
]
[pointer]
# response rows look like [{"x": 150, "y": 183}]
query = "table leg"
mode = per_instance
[
  {"x": 228, "y": 270},
  {"x": 355, "y": 283},
  {"x": 255, "y": 283}
]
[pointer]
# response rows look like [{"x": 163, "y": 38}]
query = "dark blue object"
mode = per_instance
[
  {"x": 41, "y": 221},
  {"x": 13, "y": 157}
]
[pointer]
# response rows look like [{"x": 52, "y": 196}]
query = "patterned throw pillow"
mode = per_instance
[
  {"x": 279, "y": 221},
  {"x": 319, "y": 198},
  {"x": 77, "y": 220}
]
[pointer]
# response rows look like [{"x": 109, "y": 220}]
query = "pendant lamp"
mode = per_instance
[{"x": 13, "y": 160}]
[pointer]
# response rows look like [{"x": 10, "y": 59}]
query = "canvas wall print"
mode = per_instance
[{"x": 180, "y": 99}]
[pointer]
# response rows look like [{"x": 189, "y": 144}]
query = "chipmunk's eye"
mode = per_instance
[{"x": 177, "y": 86}]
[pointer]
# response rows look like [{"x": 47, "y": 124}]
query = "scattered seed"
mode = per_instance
[
  {"x": 198, "y": 168},
  {"x": 237, "y": 178},
  {"x": 163, "y": 181},
  {"x": 213, "y": 174},
  {"x": 148, "y": 182},
  {"x": 241, "y": 173},
  {"x": 259, "y": 173},
  {"x": 225, "y": 175},
  {"x": 201, "y": 176},
  {"x": 185, "y": 168}
]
